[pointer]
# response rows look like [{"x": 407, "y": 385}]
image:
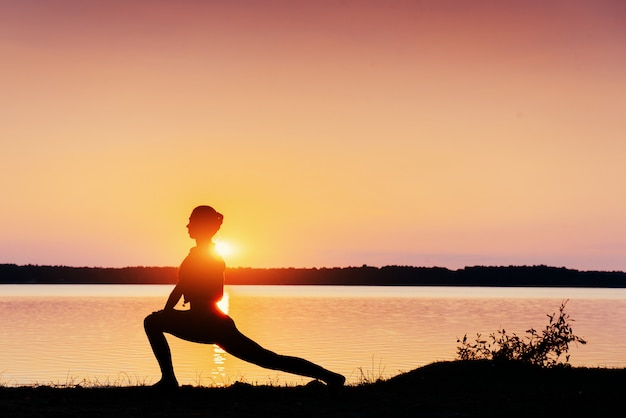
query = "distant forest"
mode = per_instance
[{"x": 518, "y": 276}]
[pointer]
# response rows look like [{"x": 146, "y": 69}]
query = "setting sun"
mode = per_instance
[{"x": 224, "y": 248}]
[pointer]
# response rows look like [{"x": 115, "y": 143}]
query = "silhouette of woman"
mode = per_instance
[{"x": 201, "y": 283}]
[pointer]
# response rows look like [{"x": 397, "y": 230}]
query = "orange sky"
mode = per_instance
[{"x": 328, "y": 133}]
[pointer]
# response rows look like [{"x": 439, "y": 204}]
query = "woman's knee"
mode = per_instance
[{"x": 151, "y": 322}]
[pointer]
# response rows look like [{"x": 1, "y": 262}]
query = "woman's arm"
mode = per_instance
[{"x": 174, "y": 297}]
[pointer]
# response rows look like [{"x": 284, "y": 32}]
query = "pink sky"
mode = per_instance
[{"x": 445, "y": 133}]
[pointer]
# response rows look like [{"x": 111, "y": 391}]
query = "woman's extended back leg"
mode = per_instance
[{"x": 246, "y": 349}]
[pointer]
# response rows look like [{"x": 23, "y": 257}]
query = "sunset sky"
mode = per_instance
[{"x": 329, "y": 133}]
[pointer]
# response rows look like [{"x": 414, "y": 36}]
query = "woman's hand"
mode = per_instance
[{"x": 173, "y": 299}]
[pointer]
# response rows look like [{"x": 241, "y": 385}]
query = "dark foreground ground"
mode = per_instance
[{"x": 447, "y": 389}]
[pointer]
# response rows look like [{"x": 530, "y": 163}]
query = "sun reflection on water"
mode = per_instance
[
  {"x": 224, "y": 303},
  {"x": 219, "y": 370}
]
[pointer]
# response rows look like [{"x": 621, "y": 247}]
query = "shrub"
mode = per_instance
[{"x": 543, "y": 349}]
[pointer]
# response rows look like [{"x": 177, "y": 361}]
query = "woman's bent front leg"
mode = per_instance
[{"x": 155, "y": 325}]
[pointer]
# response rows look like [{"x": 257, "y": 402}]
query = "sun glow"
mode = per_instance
[{"x": 224, "y": 248}]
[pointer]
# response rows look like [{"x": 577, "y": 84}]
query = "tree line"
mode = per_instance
[{"x": 528, "y": 276}]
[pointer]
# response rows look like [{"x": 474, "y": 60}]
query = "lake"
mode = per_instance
[{"x": 93, "y": 334}]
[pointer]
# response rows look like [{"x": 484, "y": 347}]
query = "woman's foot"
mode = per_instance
[
  {"x": 335, "y": 380},
  {"x": 166, "y": 384}
]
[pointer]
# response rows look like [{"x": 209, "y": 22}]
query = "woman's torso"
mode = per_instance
[{"x": 201, "y": 277}]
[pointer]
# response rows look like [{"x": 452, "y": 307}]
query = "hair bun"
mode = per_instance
[{"x": 207, "y": 213}]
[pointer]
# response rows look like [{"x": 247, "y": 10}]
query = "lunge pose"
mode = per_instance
[{"x": 201, "y": 284}]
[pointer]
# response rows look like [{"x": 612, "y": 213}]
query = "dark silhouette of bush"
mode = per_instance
[{"x": 542, "y": 349}]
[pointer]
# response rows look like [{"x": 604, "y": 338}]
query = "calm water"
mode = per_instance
[{"x": 64, "y": 334}]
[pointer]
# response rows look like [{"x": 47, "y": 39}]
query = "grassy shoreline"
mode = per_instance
[{"x": 444, "y": 389}]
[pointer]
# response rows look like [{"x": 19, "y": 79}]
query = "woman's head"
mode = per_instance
[{"x": 204, "y": 222}]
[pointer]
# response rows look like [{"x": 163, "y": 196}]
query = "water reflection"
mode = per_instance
[
  {"x": 219, "y": 360},
  {"x": 96, "y": 333},
  {"x": 218, "y": 373},
  {"x": 224, "y": 303}
]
